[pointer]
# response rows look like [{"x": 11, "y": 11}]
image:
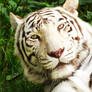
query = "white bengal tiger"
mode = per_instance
[{"x": 55, "y": 48}]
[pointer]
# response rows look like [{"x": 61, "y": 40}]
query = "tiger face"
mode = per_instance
[
  {"x": 49, "y": 40},
  {"x": 57, "y": 44}
]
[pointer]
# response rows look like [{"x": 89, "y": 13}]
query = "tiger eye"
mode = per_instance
[{"x": 35, "y": 37}]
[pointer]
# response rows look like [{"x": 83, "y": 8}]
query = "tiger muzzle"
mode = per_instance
[{"x": 56, "y": 54}]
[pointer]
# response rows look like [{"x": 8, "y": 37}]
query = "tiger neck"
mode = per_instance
[
  {"x": 85, "y": 70},
  {"x": 83, "y": 73},
  {"x": 87, "y": 64}
]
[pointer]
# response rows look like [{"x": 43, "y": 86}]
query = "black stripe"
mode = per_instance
[
  {"x": 31, "y": 20},
  {"x": 70, "y": 29},
  {"x": 64, "y": 17},
  {"x": 32, "y": 25},
  {"x": 60, "y": 19},
  {"x": 28, "y": 45},
  {"x": 22, "y": 45},
  {"x": 23, "y": 35},
  {"x": 90, "y": 81},
  {"x": 78, "y": 26},
  {"x": 28, "y": 32},
  {"x": 30, "y": 17},
  {"x": 32, "y": 54},
  {"x": 48, "y": 14},
  {"x": 28, "y": 57},
  {"x": 38, "y": 21},
  {"x": 18, "y": 46}
]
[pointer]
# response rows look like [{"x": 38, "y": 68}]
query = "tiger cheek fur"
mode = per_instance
[{"x": 54, "y": 48}]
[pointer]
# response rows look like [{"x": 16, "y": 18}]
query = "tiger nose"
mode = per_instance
[{"x": 57, "y": 53}]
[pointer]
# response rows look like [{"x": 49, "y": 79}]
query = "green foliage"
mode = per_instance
[
  {"x": 83, "y": 2},
  {"x": 11, "y": 73},
  {"x": 85, "y": 12}
]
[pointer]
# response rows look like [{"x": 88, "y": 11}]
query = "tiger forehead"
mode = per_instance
[
  {"x": 61, "y": 20},
  {"x": 35, "y": 19},
  {"x": 46, "y": 13}
]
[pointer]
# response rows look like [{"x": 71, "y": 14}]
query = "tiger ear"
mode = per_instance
[
  {"x": 15, "y": 20},
  {"x": 71, "y": 6}
]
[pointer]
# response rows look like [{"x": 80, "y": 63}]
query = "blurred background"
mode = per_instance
[{"x": 11, "y": 73}]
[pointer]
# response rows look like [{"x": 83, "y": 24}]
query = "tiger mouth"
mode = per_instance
[
  {"x": 55, "y": 57},
  {"x": 59, "y": 65}
]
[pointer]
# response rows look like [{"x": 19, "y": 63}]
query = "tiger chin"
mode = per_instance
[{"x": 55, "y": 48}]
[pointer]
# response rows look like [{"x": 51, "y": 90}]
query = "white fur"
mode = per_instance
[{"x": 51, "y": 41}]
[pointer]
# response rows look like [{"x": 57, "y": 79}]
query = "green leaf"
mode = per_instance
[
  {"x": 40, "y": 4},
  {"x": 12, "y": 3},
  {"x": 89, "y": 15},
  {"x": 13, "y": 76},
  {"x": 83, "y": 2},
  {"x": 2, "y": 76},
  {"x": 8, "y": 77}
]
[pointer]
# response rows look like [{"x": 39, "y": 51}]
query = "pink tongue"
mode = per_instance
[{"x": 57, "y": 53}]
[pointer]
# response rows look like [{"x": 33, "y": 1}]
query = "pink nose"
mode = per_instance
[{"x": 57, "y": 53}]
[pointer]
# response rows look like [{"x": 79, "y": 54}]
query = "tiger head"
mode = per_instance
[{"x": 50, "y": 41}]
